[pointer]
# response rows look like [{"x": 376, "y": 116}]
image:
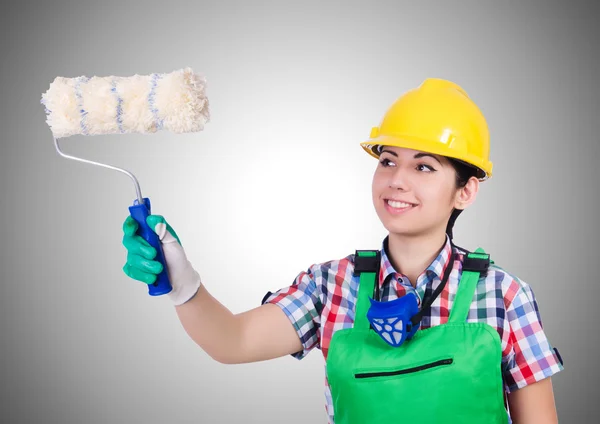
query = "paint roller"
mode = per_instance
[{"x": 145, "y": 104}]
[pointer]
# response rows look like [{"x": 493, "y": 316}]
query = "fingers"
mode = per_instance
[
  {"x": 138, "y": 246},
  {"x": 130, "y": 226},
  {"x": 142, "y": 269},
  {"x": 165, "y": 232},
  {"x": 140, "y": 254},
  {"x": 158, "y": 224},
  {"x": 143, "y": 264},
  {"x": 138, "y": 274}
]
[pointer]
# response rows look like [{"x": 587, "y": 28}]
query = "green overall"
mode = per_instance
[{"x": 449, "y": 373}]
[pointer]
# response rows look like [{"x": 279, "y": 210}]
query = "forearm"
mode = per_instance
[
  {"x": 211, "y": 325},
  {"x": 533, "y": 404}
]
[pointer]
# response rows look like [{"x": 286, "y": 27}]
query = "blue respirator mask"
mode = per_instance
[{"x": 392, "y": 320}]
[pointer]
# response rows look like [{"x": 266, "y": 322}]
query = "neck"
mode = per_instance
[{"x": 411, "y": 256}]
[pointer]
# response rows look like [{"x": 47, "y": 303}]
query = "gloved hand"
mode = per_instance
[{"x": 141, "y": 266}]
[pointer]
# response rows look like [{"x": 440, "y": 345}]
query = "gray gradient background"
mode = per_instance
[{"x": 293, "y": 88}]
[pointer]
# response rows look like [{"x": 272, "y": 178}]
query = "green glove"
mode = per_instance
[{"x": 141, "y": 265}]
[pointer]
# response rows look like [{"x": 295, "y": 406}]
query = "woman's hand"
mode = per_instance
[{"x": 141, "y": 265}]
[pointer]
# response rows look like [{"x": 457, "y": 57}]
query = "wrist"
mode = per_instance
[{"x": 185, "y": 288}]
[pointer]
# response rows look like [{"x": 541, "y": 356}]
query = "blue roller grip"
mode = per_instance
[{"x": 140, "y": 212}]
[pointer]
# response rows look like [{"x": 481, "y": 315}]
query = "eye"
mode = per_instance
[
  {"x": 425, "y": 168},
  {"x": 385, "y": 162}
]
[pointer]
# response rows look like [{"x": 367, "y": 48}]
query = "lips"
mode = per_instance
[
  {"x": 396, "y": 207},
  {"x": 398, "y": 203}
]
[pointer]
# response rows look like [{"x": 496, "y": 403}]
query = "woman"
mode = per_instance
[{"x": 433, "y": 151}]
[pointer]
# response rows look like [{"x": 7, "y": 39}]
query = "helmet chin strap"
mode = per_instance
[{"x": 451, "y": 221}]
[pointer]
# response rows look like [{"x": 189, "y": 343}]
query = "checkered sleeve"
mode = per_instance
[
  {"x": 301, "y": 303},
  {"x": 530, "y": 357}
]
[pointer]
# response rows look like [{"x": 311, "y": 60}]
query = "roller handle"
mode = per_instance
[{"x": 140, "y": 212}]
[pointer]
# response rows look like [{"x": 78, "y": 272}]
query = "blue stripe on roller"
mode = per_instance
[
  {"x": 153, "y": 109},
  {"x": 82, "y": 111},
  {"x": 48, "y": 111},
  {"x": 119, "y": 105}
]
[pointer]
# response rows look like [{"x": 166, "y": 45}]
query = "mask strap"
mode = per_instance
[{"x": 416, "y": 319}]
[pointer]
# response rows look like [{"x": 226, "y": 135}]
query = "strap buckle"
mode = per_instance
[
  {"x": 371, "y": 262},
  {"x": 476, "y": 262}
]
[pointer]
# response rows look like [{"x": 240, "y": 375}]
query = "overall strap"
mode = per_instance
[
  {"x": 473, "y": 266},
  {"x": 366, "y": 265}
]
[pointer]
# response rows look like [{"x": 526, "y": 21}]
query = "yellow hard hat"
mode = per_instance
[{"x": 437, "y": 117}]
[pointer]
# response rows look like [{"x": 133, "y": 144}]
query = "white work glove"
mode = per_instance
[{"x": 141, "y": 266}]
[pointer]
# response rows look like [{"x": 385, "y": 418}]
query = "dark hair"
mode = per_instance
[{"x": 464, "y": 172}]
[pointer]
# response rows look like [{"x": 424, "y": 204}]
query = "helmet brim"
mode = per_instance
[{"x": 371, "y": 147}]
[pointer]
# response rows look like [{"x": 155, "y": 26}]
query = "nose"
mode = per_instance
[{"x": 399, "y": 180}]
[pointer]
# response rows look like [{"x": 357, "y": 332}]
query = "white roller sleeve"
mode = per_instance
[{"x": 115, "y": 105}]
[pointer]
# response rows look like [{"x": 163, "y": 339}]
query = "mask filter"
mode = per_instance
[{"x": 392, "y": 320}]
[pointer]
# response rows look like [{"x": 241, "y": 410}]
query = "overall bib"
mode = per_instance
[{"x": 449, "y": 373}]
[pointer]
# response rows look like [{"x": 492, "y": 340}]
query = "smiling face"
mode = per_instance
[{"x": 414, "y": 192}]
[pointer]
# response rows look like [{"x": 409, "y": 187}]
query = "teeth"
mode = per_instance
[{"x": 398, "y": 205}]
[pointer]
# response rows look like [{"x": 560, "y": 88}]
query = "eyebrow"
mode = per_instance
[{"x": 417, "y": 156}]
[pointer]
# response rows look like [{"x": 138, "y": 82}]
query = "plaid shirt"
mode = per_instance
[{"x": 323, "y": 299}]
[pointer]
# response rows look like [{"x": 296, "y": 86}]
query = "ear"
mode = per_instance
[{"x": 467, "y": 194}]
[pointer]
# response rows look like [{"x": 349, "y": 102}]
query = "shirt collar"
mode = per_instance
[{"x": 435, "y": 269}]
